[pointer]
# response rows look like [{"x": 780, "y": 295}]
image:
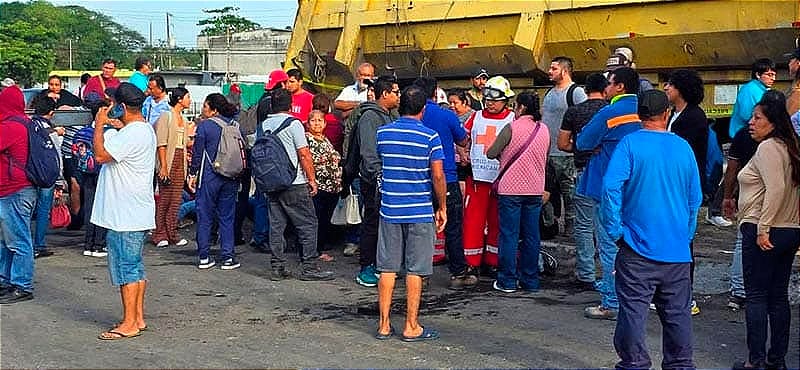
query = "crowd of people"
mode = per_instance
[{"x": 624, "y": 166}]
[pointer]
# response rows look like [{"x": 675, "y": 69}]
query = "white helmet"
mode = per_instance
[{"x": 497, "y": 88}]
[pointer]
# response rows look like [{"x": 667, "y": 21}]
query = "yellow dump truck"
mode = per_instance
[{"x": 517, "y": 39}]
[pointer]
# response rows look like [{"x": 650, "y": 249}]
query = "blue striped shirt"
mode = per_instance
[{"x": 407, "y": 148}]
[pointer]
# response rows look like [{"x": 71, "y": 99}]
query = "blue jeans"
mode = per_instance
[
  {"x": 737, "y": 280},
  {"x": 125, "y": 264},
  {"x": 260, "y": 206},
  {"x": 186, "y": 209},
  {"x": 16, "y": 247},
  {"x": 519, "y": 219},
  {"x": 44, "y": 202},
  {"x": 608, "y": 253},
  {"x": 584, "y": 238},
  {"x": 216, "y": 197}
]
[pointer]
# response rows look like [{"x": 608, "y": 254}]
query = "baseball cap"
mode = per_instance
[
  {"x": 275, "y": 77},
  {"x": 128, "y": 94},
  {"x": 795, "y": 54},
  {"x": 7, "y": 82},
  {"x": 616, "y": 61},
  {"x": 480, "y": 72},
  {"x": 652, "y": 103}
]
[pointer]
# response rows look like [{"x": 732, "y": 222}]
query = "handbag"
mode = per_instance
[
  {"x": 514, "y": 157},
  {"x": 347, "y": 211},
  {"x": 59, "y": 214}
]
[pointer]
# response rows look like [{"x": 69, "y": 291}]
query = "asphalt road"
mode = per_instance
[{"x": 241, "y": 319}]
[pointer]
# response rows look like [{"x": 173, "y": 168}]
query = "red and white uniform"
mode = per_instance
[{"x": 480, "y": 205}]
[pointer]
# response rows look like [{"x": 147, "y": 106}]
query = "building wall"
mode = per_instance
[{"x": 253, "y": 52}]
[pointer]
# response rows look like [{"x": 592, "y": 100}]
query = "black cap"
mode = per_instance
[
  {"x": 652, "y": 103},
  {"x": 128, "y": 94},
  {"x": 795, "y": 54},
  {"x": 480, "y": 72}
]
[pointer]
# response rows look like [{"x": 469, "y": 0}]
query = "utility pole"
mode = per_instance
[
  {"x": 168, "y": 29},
  {"x": 228, "y": 56},
  {"x": 151, "y": 34},
  {"x": 70, "y": 54}
]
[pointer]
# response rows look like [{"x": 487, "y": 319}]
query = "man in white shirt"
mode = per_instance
[
  {"x": 128, "y": 157},
  {"x": 355, "y": 94}
]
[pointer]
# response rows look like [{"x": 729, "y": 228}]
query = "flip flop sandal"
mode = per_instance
[
  {"x": 118, "y": 335},
  {"x": 116, "y": 326},
  {"x": 380, "y": 336},
  {"x": 427, "y": 334}
]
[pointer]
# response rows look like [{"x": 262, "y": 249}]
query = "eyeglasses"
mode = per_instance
[{"x": 493, "y": 94}]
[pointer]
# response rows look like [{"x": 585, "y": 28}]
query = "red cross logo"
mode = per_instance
[{"x": 487, "y": 139}]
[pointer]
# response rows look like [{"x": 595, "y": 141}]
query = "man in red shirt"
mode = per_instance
[
  {"x": 17, "y": 201},
  {"x": 98, "y": 84},
  {"x": 301, "y": 99}
]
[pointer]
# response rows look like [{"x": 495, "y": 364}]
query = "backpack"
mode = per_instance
[
  {"x": 248, "y": 119},
  {"x": 714, "y": 161},
  {"x": 42, "y": 167},
  {"x": 231, "y": 159},
  {"x": 570, "y": 94},
  {"x": 351, "y": 148},
  {"x": 271, "y": 167},
  {"x": 82, "y": 150}
]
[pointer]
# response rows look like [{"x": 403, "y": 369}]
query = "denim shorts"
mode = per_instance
[
  {"x": 406, "y": 245},
  {"x": 125, "y": 264}
]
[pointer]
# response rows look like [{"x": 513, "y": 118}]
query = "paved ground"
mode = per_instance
[{"x": 241, "y": 319}]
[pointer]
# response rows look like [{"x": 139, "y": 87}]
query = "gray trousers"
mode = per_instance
[{"x": 295, "y": 206}]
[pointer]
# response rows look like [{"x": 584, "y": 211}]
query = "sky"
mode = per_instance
[{"x": 138, "y": 15}]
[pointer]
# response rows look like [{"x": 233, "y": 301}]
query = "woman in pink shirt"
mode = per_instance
[{"x": 522, "y": 149}]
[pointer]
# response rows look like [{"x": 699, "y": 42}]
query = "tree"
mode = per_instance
[
  {"x": 35, "y": 39},
  {"x": 223, "y": 19}
]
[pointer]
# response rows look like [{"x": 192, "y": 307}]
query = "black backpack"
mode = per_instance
[
  {"x": 570, "y": 94},
  {"x": 352, "y": 146},
  {"x": 42, "y": 167},
  {"x": 271, "y": 166}
]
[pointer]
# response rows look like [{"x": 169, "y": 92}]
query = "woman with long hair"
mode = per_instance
[
  {"x": 172, "y": 139},
  {"x": 521, "y": 148},
  {"x": 768, "y": 214},
  {"x": 216, "y": 194}
]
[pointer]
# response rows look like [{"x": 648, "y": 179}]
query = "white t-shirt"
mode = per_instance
[
  {"x": 351, "y": 93},
  {"x": 124, "y": 198}
]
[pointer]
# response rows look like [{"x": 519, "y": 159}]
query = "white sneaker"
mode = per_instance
[
  {"x": 652, "y": 306},
  {"x": 87, "y": 253},
  {"x": 718, "y": 221},
  {"x": 206, "y": 263},
  {"x": 162, "y": 244},
  {"x": 100, "y": 253},
  {"x": 350, "y": 249},
  {"x": 181, "y": 243}
]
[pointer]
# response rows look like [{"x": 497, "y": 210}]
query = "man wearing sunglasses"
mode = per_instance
[{"x": 480, "y": 204}]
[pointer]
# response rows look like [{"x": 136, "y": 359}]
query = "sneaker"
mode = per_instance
[
  {"x": 100, "y": 253},
  {"x": 314, "y": 273},
  {"x": 279, "y": 274},
  {"x": 718, "y": 221},
  {"x": 87, "y": 253},
  {"x": 185, "y": 223},
  {"x": 162, "y": 244},
  {"x": 350, "y": 249},
  {"x": 368, "y": 277},
  {"x": 41, "y": 253},
  {"x": 206, "y": 263},
  {"x": 600, "y": 313},
  {"x": 230, "y": 264},
  {"x": 652, "y": 306},
  {"x": 15, "y": 296},
  {"x": 497, "y": 287},
  {"x": 462, "y": 281},
  {"x": 695, "y": 308},
  {"x": 181, "y": 243},
  {"x": 735, "y": 302}
]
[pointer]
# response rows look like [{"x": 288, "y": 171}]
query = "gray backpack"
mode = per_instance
[{"x": 231, "y": 158}]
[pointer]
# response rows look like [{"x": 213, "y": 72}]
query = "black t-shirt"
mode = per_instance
[
  {"x": 743, "y": 147},
  {"x": 575, "y": 118}
]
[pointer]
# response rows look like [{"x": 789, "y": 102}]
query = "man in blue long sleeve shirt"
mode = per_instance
[
  {"x": 601, "y": 134},
  {"x": 651, "y": 195},
  {"x": 750, "y": 93}
]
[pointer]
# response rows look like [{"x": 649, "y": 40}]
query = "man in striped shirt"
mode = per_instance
[{"x": 412, "y": 163}]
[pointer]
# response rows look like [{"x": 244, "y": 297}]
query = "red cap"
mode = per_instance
[
  {"x": 236, "y": 89},
  {"x": 275, "y": 77}
]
